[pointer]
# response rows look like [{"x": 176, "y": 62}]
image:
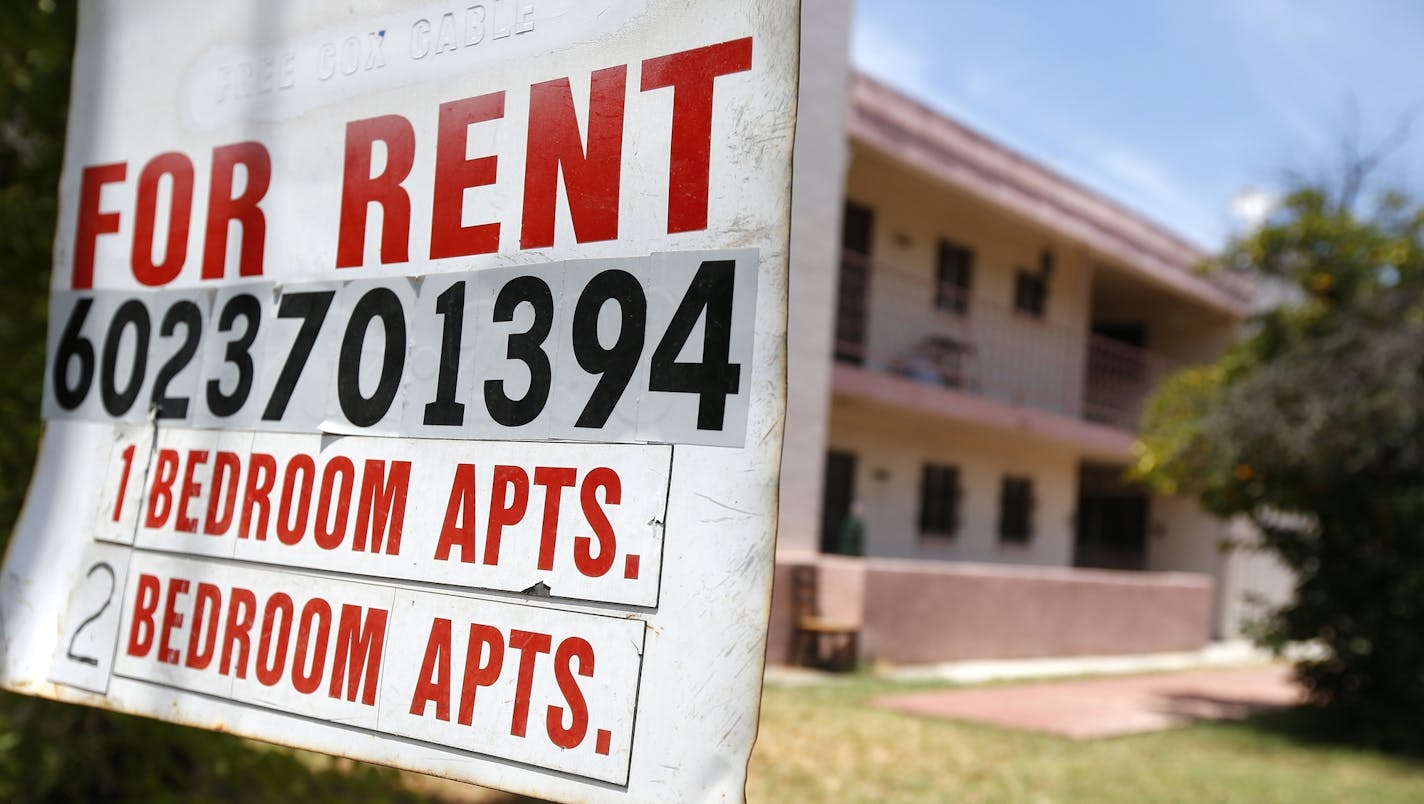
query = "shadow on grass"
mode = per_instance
[
  {"x": 1204, "y": 707},
  {"x": 1313, "y": 727}
]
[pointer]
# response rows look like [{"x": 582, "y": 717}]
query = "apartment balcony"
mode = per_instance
[{"x": 907, "y": 326}]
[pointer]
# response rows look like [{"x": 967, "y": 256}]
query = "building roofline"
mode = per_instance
[{"x": 907, "y": 130}]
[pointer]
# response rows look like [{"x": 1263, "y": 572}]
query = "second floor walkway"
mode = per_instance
[{"x": 896, "y": 322}]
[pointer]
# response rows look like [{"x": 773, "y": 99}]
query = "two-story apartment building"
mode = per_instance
[{"x": 969, "y": 359}]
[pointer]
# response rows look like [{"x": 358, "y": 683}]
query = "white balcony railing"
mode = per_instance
[{"x": 891, "y": 320}]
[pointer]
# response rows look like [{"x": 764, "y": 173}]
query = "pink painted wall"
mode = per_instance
[
  {"x": 779, "y": 630},
  {"x": 916, "y": 612}
]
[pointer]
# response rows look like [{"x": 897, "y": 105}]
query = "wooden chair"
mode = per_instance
[{"x": 818, "y": 641}]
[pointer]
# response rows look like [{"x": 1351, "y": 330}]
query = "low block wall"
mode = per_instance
[
  {"x": 780, "y": 630},
  {"x": 921, "y": 612}
]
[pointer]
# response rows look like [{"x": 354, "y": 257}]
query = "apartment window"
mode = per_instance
[
  {"x": 854, "y": 283},
  {"x": 1016, "y": 509},
  {"x": 1031, "y": 288},
  {"x": 939, "y": 500},
  {"x": 955, "y": 271}
]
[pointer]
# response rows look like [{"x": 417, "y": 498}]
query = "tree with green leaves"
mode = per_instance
[
  {"x": 36, "y": 41},
  {"x": 1312, "y": 428}
]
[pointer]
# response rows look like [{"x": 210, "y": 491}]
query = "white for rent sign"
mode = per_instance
[{"x": 415, "y": 384}]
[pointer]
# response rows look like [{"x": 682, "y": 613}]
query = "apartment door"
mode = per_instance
[
  {"x": 854, "y": 285},
  {"x": 1112, "y": 521},
  {"x": 1112, "y": 532},
  {"x": 839, "y": 493}
]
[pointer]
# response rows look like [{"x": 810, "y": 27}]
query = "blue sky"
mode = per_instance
[{"x": 1171, "y": 108}]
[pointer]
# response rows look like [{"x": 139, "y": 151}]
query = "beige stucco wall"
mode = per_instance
[
  {"x": 818, "y": 181},
  {"x": 1020, "y": 359},
  {"x": 1181, "y": 536},
  {"x": 1190, "y": 336},
  {"x": 1251, "y": 582},
  {"x": 1184, "y": 537},
  {"x": 891, "y": 449},
  {"x": 1184, "y": 330},
  {"x": 1035, "y": 363}
]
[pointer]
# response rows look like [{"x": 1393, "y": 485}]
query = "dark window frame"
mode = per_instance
[
  {"x": 853, "y": 282},
  {"x": 1016, "y": 509},
  {"x": 1031, "y": 288},
  {"x": 940, "y": 495},
  {"x": 1030, "y": 293},
  {"x": 954, "y": 276}
]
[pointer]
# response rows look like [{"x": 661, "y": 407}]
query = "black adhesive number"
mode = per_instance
[
  {"x": 187, "y": 314},
  {"x": 364, "y": 411},
  {"x": 131, "y": 314},
  {"x": 526, "y": 347},
  {"x": 713, "y": 379},
  {"x": 93, "y": 661},
  {"x": 238, "y": 353},
  {"x": 450, "y": 306},
  {"x": 73, "y": 346},
  {"x": 311, "y": 308},
  {"x": 615, "y": 364}
]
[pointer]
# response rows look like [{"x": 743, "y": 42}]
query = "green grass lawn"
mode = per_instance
[{"x": 823, "y": 742}]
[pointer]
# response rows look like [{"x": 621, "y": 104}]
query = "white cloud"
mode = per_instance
[
  {"x": 1138, "y": 171},
  {"x": 981, "y": 84},
  {"x": 1252, "y": 206},
  {"x": 887, "y": 58},
  {"x": 891, "y": 59}
]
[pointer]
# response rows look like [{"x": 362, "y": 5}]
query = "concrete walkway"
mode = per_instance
[
  {"x": 1103, "y": 707},
  {"x": 1217, "y": 656}
]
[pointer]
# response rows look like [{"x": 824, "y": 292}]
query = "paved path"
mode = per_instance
[{"x": 1104, "y": 707}]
